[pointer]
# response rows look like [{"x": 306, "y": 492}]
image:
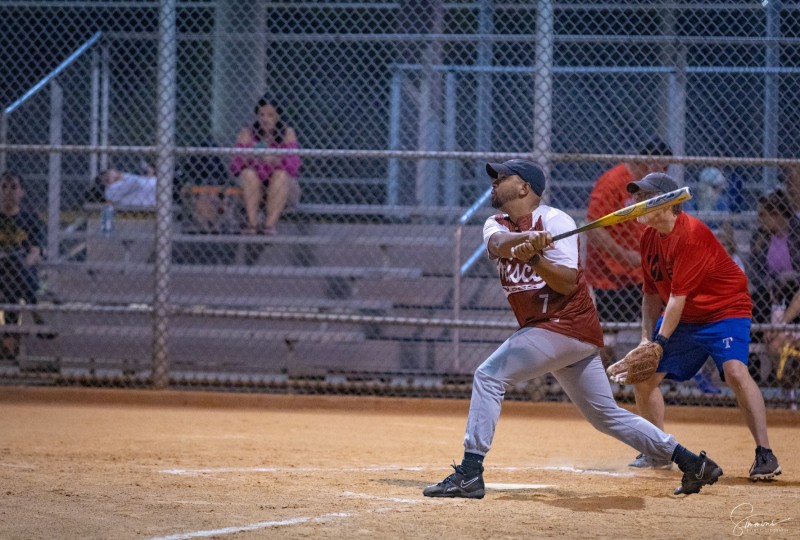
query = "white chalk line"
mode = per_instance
[
  {"x": 297, "y": 521},
  {"x": 511, "y": 487},
  {"x": 395, "y": 468},
  {"x": 253, "y": 527}
]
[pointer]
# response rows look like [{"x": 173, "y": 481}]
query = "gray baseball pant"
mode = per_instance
[{"x": 532, "y": 352}]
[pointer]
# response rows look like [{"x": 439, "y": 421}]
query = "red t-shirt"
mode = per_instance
[
  {"x": 609, "y": 194},
  {"x": 690, "y": 261}
]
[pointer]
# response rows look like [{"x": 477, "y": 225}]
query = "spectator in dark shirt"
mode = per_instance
[{"x": 21, "y": 241}]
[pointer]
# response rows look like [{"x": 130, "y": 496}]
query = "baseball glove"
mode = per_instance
[{"x": 638, "y": 365}]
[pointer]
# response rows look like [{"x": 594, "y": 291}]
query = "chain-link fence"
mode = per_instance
[{"x": 316, "y": 222}]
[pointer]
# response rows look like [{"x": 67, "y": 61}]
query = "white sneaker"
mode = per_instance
[{"x": 646, "y": 462}]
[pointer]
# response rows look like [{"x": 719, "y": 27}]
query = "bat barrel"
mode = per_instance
[{"x": 633, "y": 211}]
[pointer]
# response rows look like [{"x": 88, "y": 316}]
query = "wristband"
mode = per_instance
[
  {"x": 661, "y": 340},
  {"x": 535, "y": 259}
]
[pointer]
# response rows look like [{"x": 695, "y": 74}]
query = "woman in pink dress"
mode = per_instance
[{"x": 270, "y": 175}]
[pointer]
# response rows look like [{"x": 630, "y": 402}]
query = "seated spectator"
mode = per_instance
[
  {"x": 776, "y": 255},
  {"x": 710, "y": 195},
  {"x": 274, "y": 175},
  {"x": 21, "y": 241},
  {"x": 128, "y": 189}
]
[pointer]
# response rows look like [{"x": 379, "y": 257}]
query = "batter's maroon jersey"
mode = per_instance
[
  {"x": 534, "y": 303},
  {"x": 690, "y": 261}
]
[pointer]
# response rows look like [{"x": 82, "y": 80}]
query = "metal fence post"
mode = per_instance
[
  {"x": 483, "y": 114},
  {"x": 543, "y": 84},
  {"x": 452, "y": 185},
  {"x": 393, "y": 172},
  {"x": 165, "y": 164},
  {"x": 772, "y": 59},
  {"x": 54, "y": 172},
  {"x": 676, "y": 112},
  {"x": 673, "y": 120}
]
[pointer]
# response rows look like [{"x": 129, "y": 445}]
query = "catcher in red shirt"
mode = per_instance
[{"x": 706, "y": 312}]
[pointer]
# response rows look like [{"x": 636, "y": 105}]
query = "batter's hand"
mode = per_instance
[
  {"x": 638, "y": 365},
  {"x": 524, "y": 251},
  {"x": 540, "y": 240}
]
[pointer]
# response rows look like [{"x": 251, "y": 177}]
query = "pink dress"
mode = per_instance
[{"x": 289, "y": 163}]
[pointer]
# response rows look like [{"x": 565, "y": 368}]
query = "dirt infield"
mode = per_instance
[{"x": 136, "y": 464}]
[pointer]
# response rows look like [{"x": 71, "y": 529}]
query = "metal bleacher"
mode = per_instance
[{"x": 396, "y": 268}]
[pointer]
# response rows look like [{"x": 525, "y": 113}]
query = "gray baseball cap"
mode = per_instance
[
  {"x": 656, "y": 182},
  {"x": 529, "y": 171}
]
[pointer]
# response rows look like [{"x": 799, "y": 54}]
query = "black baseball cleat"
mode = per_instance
[
  {"x": 458, "y": 484},
  {"x": 705, "y": 473},
  {"x": 765, "y": 466}
]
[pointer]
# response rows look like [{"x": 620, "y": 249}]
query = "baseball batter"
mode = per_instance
[
  {"x": 706, "y": 312},
  {"x": 559, "y": 333}
]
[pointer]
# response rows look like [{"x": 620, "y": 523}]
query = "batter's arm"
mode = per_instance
[{"x": 500, "y": 243}]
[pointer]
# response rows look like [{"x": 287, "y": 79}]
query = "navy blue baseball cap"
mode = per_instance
[
  {"x": 529, "y": 171},
  {"x": 656, "y": 182}
]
